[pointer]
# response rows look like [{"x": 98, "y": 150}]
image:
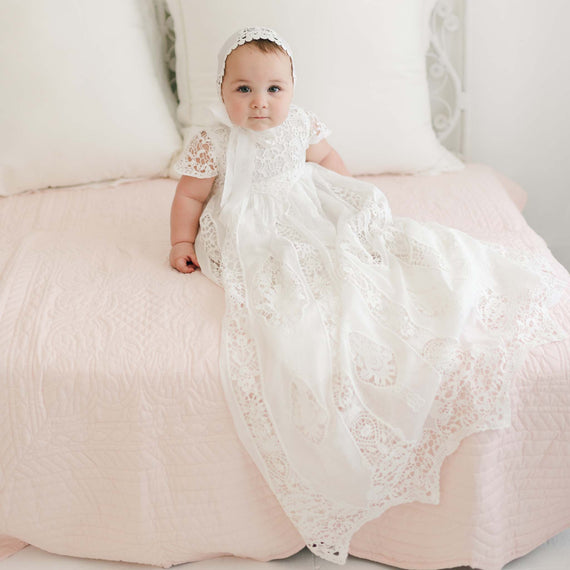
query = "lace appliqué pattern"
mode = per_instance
[
  {"x": 411, "y": 251},
  {"x": 308, "y": 416},
  {"x": 372, "y": 363},
  {"x": 366, "y": 241},
  {"x": 314, "y": 271},
  {"x": 207, "y": 240},
  {"x": 279, "y": 295},
  {"x": 318, "y": 130},
  {"x": 198, "y": 158}
]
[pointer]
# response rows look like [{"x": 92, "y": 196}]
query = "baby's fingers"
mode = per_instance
[
  {"x": 184, "y": 265},
  {"x": 193, "y": 261},
  {"x": 191, "y": 264}
]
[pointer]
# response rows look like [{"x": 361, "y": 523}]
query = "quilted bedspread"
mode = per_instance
[{"x": 115, "y": 440}]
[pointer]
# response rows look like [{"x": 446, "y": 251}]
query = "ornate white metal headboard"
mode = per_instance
[
  {"x": 445, "y": 68},
  {"x": 446, "y": 72}
]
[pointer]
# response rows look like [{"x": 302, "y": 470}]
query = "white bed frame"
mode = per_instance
[{"x": 446, "y": 73}]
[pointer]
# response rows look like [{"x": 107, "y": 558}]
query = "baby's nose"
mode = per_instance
[{"x": 259, "y": 101}]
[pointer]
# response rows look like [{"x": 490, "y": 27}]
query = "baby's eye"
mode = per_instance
[
  {"x": 243, "y": 89},
  {"x": 274, "y": 89}
]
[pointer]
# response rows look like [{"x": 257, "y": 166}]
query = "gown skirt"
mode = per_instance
[{"x": 359, "y": 349}]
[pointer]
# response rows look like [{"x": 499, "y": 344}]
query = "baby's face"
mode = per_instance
[{"x": 257, "y": 88}]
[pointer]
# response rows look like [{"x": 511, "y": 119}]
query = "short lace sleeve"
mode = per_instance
[
  {"x": 318, "y": 130},
  {"x": 198, "y": 158}
]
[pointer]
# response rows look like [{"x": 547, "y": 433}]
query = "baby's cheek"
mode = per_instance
[
  {"x": 282, "y": 114},
  {"x": 235, "y": 114}
]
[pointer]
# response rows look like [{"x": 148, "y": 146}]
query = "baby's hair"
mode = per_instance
[{"x": 267, "y": 46}]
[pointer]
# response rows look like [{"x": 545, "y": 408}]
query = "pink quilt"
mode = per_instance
[{"x": 115, "y": 440}]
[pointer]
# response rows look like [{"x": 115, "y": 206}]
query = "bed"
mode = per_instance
[{"x": 115, "y": 440}]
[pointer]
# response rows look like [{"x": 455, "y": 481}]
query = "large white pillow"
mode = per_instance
[
  {"x": 81, "y": 99},
  {"x": 360, "y": 67}
]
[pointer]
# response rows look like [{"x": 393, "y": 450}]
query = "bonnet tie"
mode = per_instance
[{"x": 240, "y": 159}]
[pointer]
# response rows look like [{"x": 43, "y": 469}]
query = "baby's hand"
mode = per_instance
[{"x": 183, "y": 257}]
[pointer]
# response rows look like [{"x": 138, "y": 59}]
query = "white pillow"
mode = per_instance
[
  {"x": 81, "y": 99},
  {"x": 360, "y": 67}
]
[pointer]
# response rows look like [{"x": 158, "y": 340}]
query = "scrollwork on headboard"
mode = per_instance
[
  {"x": 445, "y": 72},
  {"x": 166, "y": 26}
]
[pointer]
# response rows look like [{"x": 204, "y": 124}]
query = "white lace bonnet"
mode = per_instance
[{"x": 244, "y": 36}]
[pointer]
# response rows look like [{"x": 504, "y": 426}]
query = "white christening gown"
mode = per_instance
[{"x": 357, "y": 349}]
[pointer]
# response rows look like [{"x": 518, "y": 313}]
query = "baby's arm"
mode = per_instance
[
  {"x": 324, "y": 154},
  {"x": 187, "y": 206}
]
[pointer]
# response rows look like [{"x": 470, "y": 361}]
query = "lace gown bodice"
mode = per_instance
[
  {"x": 358, "y": 349},
  {"x": 279, "y": 157}
]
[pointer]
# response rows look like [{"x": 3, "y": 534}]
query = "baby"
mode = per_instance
[
  {"x": 257, "y": 90},
  {"x": 357, "y": 349}
]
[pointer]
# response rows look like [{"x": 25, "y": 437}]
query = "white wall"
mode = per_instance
[{"x": 518, "y": 120}]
